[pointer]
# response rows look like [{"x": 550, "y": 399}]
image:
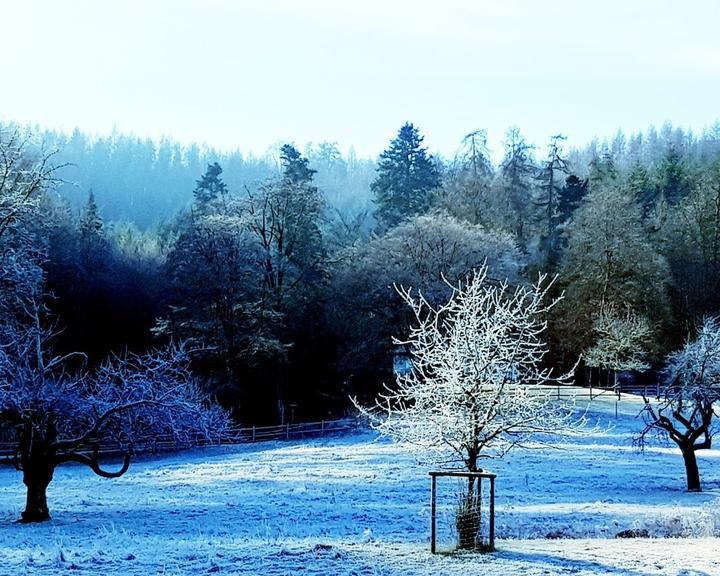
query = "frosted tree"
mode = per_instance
[
  {"x": 476, "y": 387},
  {"x": 685, "y": 412},
  {"x": 23, "y": 179},
  {"x": 623, "y": 340},
  {"x": 60, "y": 415},
  {"x": 422, "y": 252},
  {"x": 609, "y": 261}
]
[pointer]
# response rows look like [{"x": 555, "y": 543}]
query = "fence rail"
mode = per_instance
[
  {"x": 244, "y": 435},
  {"x": 248, "y": 434}
]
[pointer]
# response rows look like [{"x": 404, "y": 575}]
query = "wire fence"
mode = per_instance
[{"x": 242, "y": 435}]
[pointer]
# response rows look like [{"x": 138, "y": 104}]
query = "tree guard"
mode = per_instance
[{"x": 473, "y": 499}]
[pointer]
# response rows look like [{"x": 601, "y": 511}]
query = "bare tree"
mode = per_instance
[
  {"x": 623, "y": 340},
  {"x": 476, "y": 388},
  {"x": 23, "y": 178},
  {"x": 59, "y": 416},
  {"x": 685, "y": 412}
]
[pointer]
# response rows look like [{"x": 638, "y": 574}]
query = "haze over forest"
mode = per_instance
[
  {"x": 281, "y": 267},
  {"x": 476, "y": 229}
]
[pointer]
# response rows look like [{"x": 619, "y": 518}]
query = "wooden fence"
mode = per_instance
[
  {"x": 167, "y": 443},
  {"x": 244, "y": 435}
]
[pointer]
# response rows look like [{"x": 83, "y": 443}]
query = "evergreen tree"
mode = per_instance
[
  {"x": 602, "y": 168},
  {"x": 94, "y": 246},
  {"x": 570, "y": 196},
  {"x": 549, "y": 184},
  {"x": 673, "y": 179},
  {"x": 91, "y": 225},
  {"x": 517, "y": 168},
  {"x": 406, "y": 176},
  {"x": 641, "y": 188},
  {"x": 296, "y": 170},
  {"x": 210, "y": 187}
]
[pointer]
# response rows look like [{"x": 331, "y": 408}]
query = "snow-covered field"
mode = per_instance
[{"x": 353, "y": 505}]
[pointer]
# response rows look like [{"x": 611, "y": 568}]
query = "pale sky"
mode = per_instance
[{"x": 249, "y": 73}]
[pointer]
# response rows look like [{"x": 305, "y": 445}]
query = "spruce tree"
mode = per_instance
[{"x": 406, "y": 176}]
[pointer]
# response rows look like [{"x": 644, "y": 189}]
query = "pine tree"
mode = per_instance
[
  {"x": 93, "y": 243},
  {"x": 641, "y": 188},
  {"x": 91, "y": 225},
  {"x": 602, "y": 168},
  {"x": 570, "y": 196},
  {"x": 295, "y": 168},
  {"x": 406, "y": 176},
  {"x": 673, "y": 178},
  {"x": 210, "y": 187},
  {"x": 467, "y": 186}
]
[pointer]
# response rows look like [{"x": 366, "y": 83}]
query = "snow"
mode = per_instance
[{"x": 357, "y": 505}]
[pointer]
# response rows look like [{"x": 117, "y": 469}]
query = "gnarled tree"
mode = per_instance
[
  {"x": 59, "y": 416},
  {"x": 686, "y": 410}
]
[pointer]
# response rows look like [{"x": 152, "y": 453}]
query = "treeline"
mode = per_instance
[
  {"x": 279, "y": 274},
  {"x": 146, "y": 182}
]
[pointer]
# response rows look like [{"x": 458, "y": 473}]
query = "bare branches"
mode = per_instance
[
  {"x": 685, "y": 412},
  {"x": 22, "y": 178},
  {"x": 476, "y": 388},
  {"x": 623, "y": 339},
  {"x": 127, "y": 398},
  {"x": 93, "y": 463}
]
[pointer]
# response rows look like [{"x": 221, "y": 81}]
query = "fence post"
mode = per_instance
[
  {"x": 492, "y": 513},
  {"x": 253, "y": 434},
  {"x": 322, "y": 427},
  {"x": 287, "y": 431},
  {"x": 432, "y": 514}
]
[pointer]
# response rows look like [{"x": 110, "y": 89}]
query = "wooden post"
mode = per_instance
[
  {"x": 492, "y": 513},
  {"x": 432, "y": 514},
  {"x": 322, "y": 427},
  {"x": 287, "y": 432},
  {"x": 253, "y": 434}
]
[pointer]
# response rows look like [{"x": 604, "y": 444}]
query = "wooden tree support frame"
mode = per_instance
[{"x": 433, "y": 502}]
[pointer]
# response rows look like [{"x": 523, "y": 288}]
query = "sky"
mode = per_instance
[{"x": 249, "y": 74}]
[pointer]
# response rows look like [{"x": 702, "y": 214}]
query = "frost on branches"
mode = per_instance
[
  {"x": 477, "y": 384},
  {"x": 623, "y": 339},
  {"x": 686, "y": 410},
  {"x": 57, "y": 415}
]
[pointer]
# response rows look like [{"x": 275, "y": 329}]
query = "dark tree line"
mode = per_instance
[{"x": 280, "y": 272}]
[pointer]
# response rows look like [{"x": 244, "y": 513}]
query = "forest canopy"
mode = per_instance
[{"x": 280, "y": 270}]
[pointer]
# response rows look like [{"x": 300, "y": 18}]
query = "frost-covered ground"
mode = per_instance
[{"x": 351, "y": 505}]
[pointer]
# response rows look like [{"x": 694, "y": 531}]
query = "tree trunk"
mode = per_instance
[
  {"x": 36, "y": 508},
  {"x": 691, "y": 469},
  {"x": 467, "y": 518},
  {"x": 37, "y": 462}
]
